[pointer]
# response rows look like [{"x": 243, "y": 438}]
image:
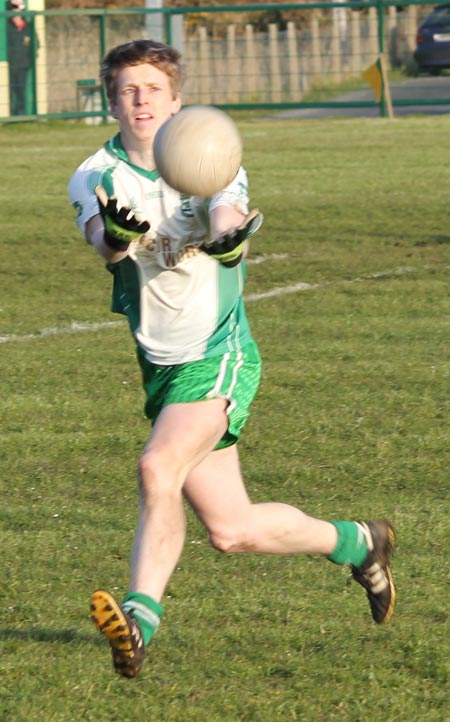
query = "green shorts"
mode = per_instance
[{"x": 234, "y": 376}]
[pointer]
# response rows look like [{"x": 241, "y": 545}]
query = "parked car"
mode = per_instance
[{"x": 433, "y": 41}]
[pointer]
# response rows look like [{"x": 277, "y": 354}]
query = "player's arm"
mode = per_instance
[
  {"x": 224, "y": 220},
  {"x": 230, "y": 231},
  {"x": 113, "y": 229},
  {"x": 95, "y": 235}
]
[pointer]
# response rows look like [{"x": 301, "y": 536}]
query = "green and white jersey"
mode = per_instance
[{"x": 181, "y": 304}]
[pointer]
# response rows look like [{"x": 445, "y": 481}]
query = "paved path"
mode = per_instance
[{"x": 425, "y": 87}]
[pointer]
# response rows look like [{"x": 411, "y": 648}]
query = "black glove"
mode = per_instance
[
  {"x": 121, "y": 225},
  {"x": 228, "y": 249}
]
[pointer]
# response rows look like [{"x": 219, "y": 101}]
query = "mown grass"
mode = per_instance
[{"x": 351, "y": 421}]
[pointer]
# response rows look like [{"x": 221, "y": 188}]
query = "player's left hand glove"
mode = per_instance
[
  {"x": 228, "y": 249},
  {"x": 121, "y": 225}
]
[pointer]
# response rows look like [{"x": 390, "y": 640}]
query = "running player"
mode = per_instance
[{"x": 178, "y": 274}]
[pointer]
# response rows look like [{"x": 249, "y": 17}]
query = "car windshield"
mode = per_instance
[{"x": 439, "y": 16}]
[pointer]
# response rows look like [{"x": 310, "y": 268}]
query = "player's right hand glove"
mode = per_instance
[
  {"x": 228, "y": 249},
  {"x": 121, "y": 225}
]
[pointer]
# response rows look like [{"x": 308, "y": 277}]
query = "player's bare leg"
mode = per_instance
[
  {"x": 182, "y": 436},
  {"x": 217, "y": 493}
]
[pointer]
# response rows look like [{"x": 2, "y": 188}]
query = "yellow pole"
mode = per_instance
[
  {"x": 41, "y": 62},
  {"x": 4, "y": 68},
  {"x": 387, "y": 90},
  {"x": 4, "y": 87}
]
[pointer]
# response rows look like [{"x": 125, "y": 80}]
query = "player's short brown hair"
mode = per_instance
[{"x": 138, "y": 52}]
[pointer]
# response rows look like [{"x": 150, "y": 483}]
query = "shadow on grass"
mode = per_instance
[
  {"x": 64, "y": 636},
  {"x": 434, "y": 239}
]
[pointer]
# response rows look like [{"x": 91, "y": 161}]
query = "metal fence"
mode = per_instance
[{"x": 287, "y": 55}]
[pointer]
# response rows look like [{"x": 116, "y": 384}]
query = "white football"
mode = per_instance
[{"x": 198, "y": 151}]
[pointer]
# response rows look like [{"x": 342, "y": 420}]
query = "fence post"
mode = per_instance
[
  {"x": 275, "y": 74},
  {"x": 356, "y": 44},
  {"x": 392, "y": 36},
  {"x": 411, "y": 30},
  {"x": 154, "y": 22},
  {"x": 232, "y": 71},
  {"x": 251, "y": 60},
  {"x": 336, "y": 61},
  {"x": 373, "y": 34},
  {"x": 293, "y": 62},
  {"x": 204, "y": 74},
  {"x": 304, "y": 46},
  {"x": 175, "y": 31},
  {"x": 315, "y": 49}
]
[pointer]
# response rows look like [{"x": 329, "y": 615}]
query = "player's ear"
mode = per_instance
[
  {"x": 113, "y": 109},
  {"x": 176, "y": 103}
]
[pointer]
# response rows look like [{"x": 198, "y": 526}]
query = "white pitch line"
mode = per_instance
[
  {"x": 280, "y": 291},
  {"x": 61, "y": 330},
  {"x": 263, "y": 259},
  {"x": 283, "y": 290}
]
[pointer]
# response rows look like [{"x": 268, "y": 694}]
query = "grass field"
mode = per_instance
[{"x": 351, "y": 421}]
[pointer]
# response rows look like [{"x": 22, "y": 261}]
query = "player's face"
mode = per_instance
[{"x": 144, "y": 101}]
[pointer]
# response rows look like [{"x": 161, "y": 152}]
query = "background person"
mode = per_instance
[
  {"x": 19, "y": 57},
  {"x": 178, "y": 270}
]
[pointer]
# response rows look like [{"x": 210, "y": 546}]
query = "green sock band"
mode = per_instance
[
  {"x": 351, "y": 547},
  {"x": 147, "y": 612}
]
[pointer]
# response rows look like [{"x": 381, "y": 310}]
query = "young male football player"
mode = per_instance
[{"x": 178, "y": 275}]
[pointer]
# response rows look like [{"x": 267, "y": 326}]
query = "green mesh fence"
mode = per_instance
[{"x": 281, "y": 56}]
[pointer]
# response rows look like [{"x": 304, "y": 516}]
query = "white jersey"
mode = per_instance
[{"x": 182, "y": 305}]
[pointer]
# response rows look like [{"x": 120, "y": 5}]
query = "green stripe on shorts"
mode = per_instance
[{"x": 234, "y": 376}]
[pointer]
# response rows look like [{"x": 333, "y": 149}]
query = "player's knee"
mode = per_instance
[
  {"x": 154, "y": 476},
  {"x": 145, "y": 477},
  {"x": 234, "y": 540}
]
